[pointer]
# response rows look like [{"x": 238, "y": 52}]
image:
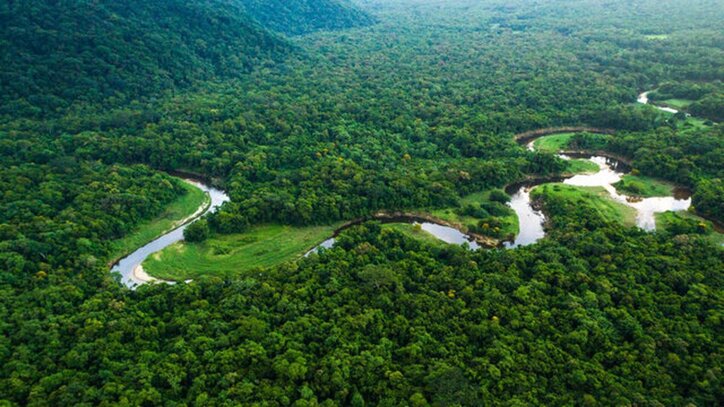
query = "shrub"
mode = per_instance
[{"x": 197, "y": 231}]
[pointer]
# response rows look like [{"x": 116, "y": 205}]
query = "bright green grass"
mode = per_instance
[
  {"x": 577, "y": 166},
  {"x": 181, "y": 208},
  {"x": 657, "y": 37},
  {"x": 596, "y": 197},
  {"x": 676, "y": 103},
  {"x": 509, "y": 221},
  {"x": 693, "y": 124},
  {"x": 642, "y": 186},
  {"x": 226, "y": 255},
  {"x": 414, "y": 232},
  {"x": 664, "y": 219},
  {"x": 553, "y": 143}
]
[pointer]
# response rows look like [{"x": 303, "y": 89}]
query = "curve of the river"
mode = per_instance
[
  {"x": 530, "y": 218},
  {"x": 644, "y": 98},
  {"x": 611, "y": 171},
  {"x": 129, "y": 267},
  {"x": 447, "y": 234}
]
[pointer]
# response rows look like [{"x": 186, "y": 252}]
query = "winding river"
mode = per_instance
[
  {"x": 644, "y": 98},
  {"x": 531, "y": 219},
  {"x": 444, "y": 233},
  {"x": 610, "y": 171},
  {"x": 130, "y": 268}
]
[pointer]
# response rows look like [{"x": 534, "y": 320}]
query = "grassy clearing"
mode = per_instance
[
  {"x": 642, "y": 186},
  {"x": 693, "y": 124},
  {"x": 657, "y": 37},
  {"x": 553, "y": 143},
  {"x": 676, "y": 103},
  {"x": 578, "y": 166},
  {"x": 225, "y": 255},
  {"x": 184, "y": 206},
  {"x": 509, "y": 220},
  {"x": 667, "y": 221},
  {"x": 414, "y": 232},
  {"x": 595, "y": 197}
]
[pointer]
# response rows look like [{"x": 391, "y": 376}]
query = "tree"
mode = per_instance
[{"x": 197, "y": 231}]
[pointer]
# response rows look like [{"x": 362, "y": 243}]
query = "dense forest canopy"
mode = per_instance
[
  {"x": 295, "y": 17},
  {"x": 380, "y": 105},
  {"x": 55, "y": 53},
  {"x": 59, "y": 53}
]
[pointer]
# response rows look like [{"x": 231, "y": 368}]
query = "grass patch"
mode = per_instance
[
  {"x": 507, "y": 217},
  {"x": 553, "y": 143},
  {"x": 657, "y": 37},
  {"x": 642, "y": 186},
  {"x": 686, "y": 222},
  {"x": 186, "y": 205},
  {"x": 561, "y": 141},
  {"x": 595, "y": 197},
  {"x": 414, "y": 232},
  {"x": 676, "y": 103},
  {"x": 577, "y": 166},
  {"x": 226, "y": 255},
  {"x": 693, "y": 124}
]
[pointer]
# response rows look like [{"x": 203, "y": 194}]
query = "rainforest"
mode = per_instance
[{"x": 361, "y": 202}]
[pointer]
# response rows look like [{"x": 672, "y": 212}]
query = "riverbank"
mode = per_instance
[
  {"x": 595, "y": 197},
  {"x": 260, "y": 247},
  {"x": 419, "y": 217},
  {"x": 127, "y": 267},
  {"x": 180, "y": 212},
  {"x": 528, "y": 136}
]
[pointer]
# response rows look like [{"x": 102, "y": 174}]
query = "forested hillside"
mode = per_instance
[
  {"x": 294, "y": 17},
  {"x": 55, "y": 53},
  {"x": 103, "y": 100}
]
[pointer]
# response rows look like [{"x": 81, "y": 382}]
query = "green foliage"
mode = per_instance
[
  {"x": 683, "y": 90},
  {"x": 638, "y": 185},
  {"x": 682, "y": 225},
  {"x": 711, "y": 107},
  {"x": 565, "y": 201},
  {"x": 58, "y": 53},
  {"x": 177, "y": 211},
  {"x": 498, "y": 195},
  {"x": 228, "y": 255},
  {"x": 197, "y": 231},
  {"x": 415, "y": 112},
  {"x": 708, "y": 199},
  {"x": 577, "y": 166},
  {"x": 64, "y": 215},
  {"x": 385, "y": 319},
  {"x": 294, "y": 17}
]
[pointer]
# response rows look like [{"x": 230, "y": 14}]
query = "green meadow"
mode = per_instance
[
  {"x": 225, "y": 255},
  {"x": 643, "y": 186},
  {"x": 596, "y": 198}
]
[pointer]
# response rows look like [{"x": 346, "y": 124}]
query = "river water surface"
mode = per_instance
[
  {"x": 644, "y": 98},
  {"x": 531, "y": 220},
  {"x": 445, "y": 233},
  {"x": 126, "y": 266}
]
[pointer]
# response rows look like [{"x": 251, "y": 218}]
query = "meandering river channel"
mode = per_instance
[
  {"x": 531, "y": 218},
  {"x": 644, "y": 98},
  {"x": 130, "y": 268}
]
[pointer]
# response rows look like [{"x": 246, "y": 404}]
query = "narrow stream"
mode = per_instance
[
  {"x": 530, "y": 220},
  {"x": 446, "y": 234},
  {"x": 128, "y": 266},
  {"x": 644, "y": 98}
]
